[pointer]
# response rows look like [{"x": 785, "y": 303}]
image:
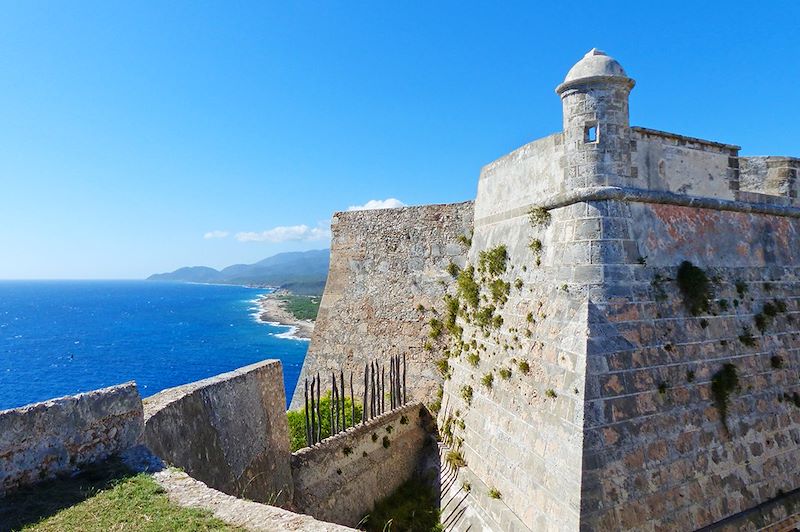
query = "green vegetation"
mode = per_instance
[
  {"x": 524, "y": 367},
  {"x": 101, "y": 498},
  {"x": 762, "y": 321},
  {"x": 505, "y": 373},
  {"x": 550, "y": 393},
  {"x": 467, "y": 287},
  {"x": 723, "y": 383},
  {"x": 535, "y": 245},
  {"x": 466, "y": 486},
  {"x": 474, "y": 359},
  {"x": 444, "y": 368},
  {"x": 695, "y": 287},
  {"x": 455, "y": 459},
  {"x": 663, "y": 387},
  {"x": 494, "y": 493},
  {"x": 466, "y": 394},
  {"x": 493, "y": 261},
  {"x": 746, "y": 338},
  {"x": 436, "y": 328},
  {"x": 776, "y": 361},
  {"x": 453, "y": 269},
  {"x": 386, "y": 442},
  {"x": 487, "y": 380},
  {"x": 689, "y": 375},
  {"x": 301, "y": 307},
  {"x": 414, "y": 507},
  {"x": 465, "y": 240},
  {"x": 538, "y": 216},
  {"x": 499, "y": 290},
  {"x": 297, "y": 421}
]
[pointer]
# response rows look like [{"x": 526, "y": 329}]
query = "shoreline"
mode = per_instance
[{"x": 272, "y": 311}]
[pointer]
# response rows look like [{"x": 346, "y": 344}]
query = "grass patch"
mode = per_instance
[
  {"x": 487, "y": 380},
  {"x": 302, "y": 307},
  {"x": 467, "y": 286},
  {"x": 413, "y": 507},
  {"x": 297, "y": 421},
  {"x": 101, "y": 498}
]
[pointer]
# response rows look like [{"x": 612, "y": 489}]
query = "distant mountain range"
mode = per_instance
[{"x": 300, "y": 272}]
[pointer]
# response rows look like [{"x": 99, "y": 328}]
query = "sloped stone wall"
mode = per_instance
[
  {"x": 229, "y": 431},
  {"x": 42, "y": 440},
  {"x": 385, "y": 264}
]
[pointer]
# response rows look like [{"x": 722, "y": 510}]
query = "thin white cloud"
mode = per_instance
[
  {"x": 286, "y": 233},
  {"x": 389, "y": 203},
  {"x": 215, "y": 234}
]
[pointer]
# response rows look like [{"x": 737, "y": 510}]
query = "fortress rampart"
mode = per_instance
[
  {"x": 386, "y": 265},
  {"x": 620, "y": 345}
]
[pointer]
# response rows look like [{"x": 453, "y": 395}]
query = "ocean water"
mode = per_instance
[{"x": 63, "y": 337}]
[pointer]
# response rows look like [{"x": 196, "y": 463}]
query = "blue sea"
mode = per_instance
[{"x": 63, "y": 337}]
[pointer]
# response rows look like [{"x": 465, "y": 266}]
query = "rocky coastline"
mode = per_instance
[{"x": 272, "y": 310}]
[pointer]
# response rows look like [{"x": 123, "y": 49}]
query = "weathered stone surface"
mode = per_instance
[
  {"x": 41, "y": 440},
  {"x": 229, "y": 431},
  {"x": 613, "y": 424},
  {"x": 341, "y": 478},
  {"x": 384, "y": 264}
]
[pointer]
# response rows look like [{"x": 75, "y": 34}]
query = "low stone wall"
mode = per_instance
[
  {"x": 229, "y": 431},
  {"x": 41, "y": 440},
  {"x": 341, "y": 478}
]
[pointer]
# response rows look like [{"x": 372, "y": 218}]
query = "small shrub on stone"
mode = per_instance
[
  {"x": 474, "y": 359},
  {"x": 466, "y": 394},
  {"x": 535, "y": 245},
  {"x": 776, "y": 361},
  {"x": 453, "y": 269},
  {"x": 723, "y": 384},
  {"x": 695, "y": 287},
  {"x": 493, "y": 261},
  {"x": 723, "y": 304},
  {"x": 494, "y": 493},
  {"x": 436, "y": 327},
  {"x": 487, "y": 380},
  {"x": 761, "y": 321},
  {"x": 347, "y": 451},
  {"x": 455, "y": 459},
  {"x": 663, "y": 387},
  {"x": 465, "y": 240},
  {"x": 524, "y": 367},
  {"x": 538, "y": 216},
  {"x": 518, "y": 284},
  {"x": 689, "y": 375},
  {"x": 746, "y": 338},
  {"x": 550, "y": 393},
  {"x": 466, "y": 486},
  {"x": 386, "y": 442},
  {"x": 467, "y": 287},
  {"x": 374, "y": 436},
  {"x": 404, "y": 420},
  {"x": 505, "y": 373}
]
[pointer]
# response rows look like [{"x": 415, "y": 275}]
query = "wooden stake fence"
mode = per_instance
[{"x": 374, "y": 397}]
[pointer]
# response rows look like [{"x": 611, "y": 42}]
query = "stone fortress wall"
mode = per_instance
[
  {"x": 342, "y": 478},
  {"x": 592, "y": 394},
  {"x": 384, "y": 265},
  {"x": 42, "y": 440}
]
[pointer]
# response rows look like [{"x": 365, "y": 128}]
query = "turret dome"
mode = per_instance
[{"x": 595, "y": 65}]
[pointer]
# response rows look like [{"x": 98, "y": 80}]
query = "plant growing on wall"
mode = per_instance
[
  {"x": 695, "y": 287},
  {"x": 538, "y": 216},
  {"x": 723, "y": 384},
  {"x": 466, "y": 394},
  {"x": 487, "y": 380},
  {"x": 494, "y": 493}
]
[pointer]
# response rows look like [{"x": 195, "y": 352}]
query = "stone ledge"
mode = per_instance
[{"x": 582, "y": 195}]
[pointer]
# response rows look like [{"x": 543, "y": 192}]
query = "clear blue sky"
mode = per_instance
[{"x": 128, "y": 131}]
